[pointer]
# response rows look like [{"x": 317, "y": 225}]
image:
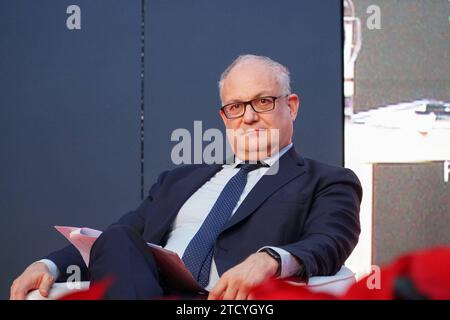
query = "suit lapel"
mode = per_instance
[{"x": 290, "y": 167}]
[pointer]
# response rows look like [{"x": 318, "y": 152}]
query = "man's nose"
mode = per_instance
[{"x": 249, "y": 114}]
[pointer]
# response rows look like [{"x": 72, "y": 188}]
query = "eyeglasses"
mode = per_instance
[{"x": 260, "y": 105}]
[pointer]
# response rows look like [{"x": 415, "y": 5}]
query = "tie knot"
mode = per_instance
[{"x": 248, "y": 166}]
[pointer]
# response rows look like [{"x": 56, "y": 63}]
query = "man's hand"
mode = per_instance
[
  {"x": 35, "y": 276},
  {"x": 237, "y": 283}
]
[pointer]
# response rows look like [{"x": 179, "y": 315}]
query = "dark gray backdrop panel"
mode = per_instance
[
  {"x": 408, "y": 58},
  {"x": 189, "y": 44},
  {"x": 69, "y": 123},
  {"x": 411, "y": 205}
]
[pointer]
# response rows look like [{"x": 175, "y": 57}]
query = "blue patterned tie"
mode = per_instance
[{"x": 199, "y": 253}]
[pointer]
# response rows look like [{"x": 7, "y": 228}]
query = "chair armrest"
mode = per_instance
[
  {"x": 58, "y": 290},
  {"x": 335, "y": 285}
]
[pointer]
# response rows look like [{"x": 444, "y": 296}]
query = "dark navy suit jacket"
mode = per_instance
[{"x": 308, "y": 208}]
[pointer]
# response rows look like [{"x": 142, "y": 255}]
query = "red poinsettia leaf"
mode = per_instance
[
  {"x": 95, "y": 291},
  {"x": 282, "y": 290}
]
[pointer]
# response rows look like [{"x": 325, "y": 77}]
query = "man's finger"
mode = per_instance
[
  {"x": 242, "y": 295},
  {"x": 218, "y": 290},
  {"x": 12, "y": 290},
  {"x": 18, "y": 292},
  {"x": 45, "y": 285},
  {"x": 20, "y": 295},
  {"x": 231, "y": 292}
]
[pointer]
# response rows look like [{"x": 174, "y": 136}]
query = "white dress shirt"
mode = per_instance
[{"x": 196, "y": 208}]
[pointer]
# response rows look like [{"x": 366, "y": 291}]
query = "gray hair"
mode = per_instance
[{"x": 281, "y": 72}]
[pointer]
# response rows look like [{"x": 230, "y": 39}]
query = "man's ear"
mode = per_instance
[
  {"x": 224, "y": 118},
  {"x": 293, "y": 105}
]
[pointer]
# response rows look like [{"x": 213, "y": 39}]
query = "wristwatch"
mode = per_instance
[{"x": 275, "y": 255}]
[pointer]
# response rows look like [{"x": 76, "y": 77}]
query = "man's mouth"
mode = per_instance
[{"x": 253, "y": 131}]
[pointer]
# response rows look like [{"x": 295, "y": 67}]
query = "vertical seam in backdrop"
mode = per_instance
[{"x": 142, "y": 95}]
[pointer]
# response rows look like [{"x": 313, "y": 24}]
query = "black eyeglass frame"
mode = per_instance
[{"x": 246, "y": 103}]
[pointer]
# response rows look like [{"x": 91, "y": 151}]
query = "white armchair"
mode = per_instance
[
  {"x": 336, "y": 285},
  {"x": 58, "y": 290}
]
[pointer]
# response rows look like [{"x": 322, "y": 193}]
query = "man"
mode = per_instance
[{"x": 270, "y": 214}]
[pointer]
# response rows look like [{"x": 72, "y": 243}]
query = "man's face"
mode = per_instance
[{"x": 255, "y": 136}]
